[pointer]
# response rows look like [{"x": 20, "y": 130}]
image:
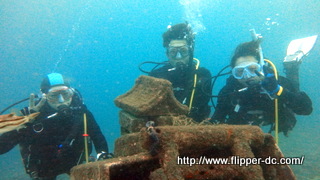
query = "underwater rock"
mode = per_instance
[{"x": 134, "y": 160}]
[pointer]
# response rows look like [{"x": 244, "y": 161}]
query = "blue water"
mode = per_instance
[{"x": 99, "y": 44}]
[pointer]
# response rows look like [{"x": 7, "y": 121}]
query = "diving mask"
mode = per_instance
[
  {"x": 59, "y": 95},
  {"x": 178, "y": 52},
  {"x": 246, "y": 71}
]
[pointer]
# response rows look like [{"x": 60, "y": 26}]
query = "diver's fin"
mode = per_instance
[{"x": 299, "y": 48}]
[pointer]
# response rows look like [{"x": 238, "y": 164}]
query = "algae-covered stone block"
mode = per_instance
[{"x": 150, "y": 97}]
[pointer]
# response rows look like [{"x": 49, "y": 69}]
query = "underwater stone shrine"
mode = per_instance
[{"x": 160, "y": 142}]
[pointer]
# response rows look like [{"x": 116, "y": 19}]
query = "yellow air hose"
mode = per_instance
[
  {"x": 276, "y": 113},
  {"x": 85, "y": 135},
  {"x": 194, "y": 83}
]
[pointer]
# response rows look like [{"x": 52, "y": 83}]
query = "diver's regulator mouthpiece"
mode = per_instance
[
  {"x": 64, "y": 110},
  {"x": 181, "y": 66}
]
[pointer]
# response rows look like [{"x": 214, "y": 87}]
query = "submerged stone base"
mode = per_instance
[
  {"x": 178, "y": 148},
  {"x": 191, "y": 144}
]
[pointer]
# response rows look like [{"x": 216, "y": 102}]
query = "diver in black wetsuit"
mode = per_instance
[
  {"x": 53, "y": 143},
  {"x": 181, "y": 71},
  {"x": 247, "y": 97}
]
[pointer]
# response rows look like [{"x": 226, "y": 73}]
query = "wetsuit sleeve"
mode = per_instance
[
  {"x": 99, "y": 141},
  {"x": 8, "y": 141},
  {"x": 223, "y": 107},
  {"x": 200, "y": 108},
  {"x": 298, "y": 101}
]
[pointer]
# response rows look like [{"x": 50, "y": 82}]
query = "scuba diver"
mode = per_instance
[
  {"x": 248, "y": 96},
  {"x": 54, "y": 141},
  {"x": 186, "y": 77}
]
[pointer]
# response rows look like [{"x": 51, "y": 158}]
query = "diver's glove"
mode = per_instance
[
  {"x": 104, "y": 155},
  {"x": 37, "y": 107},
  {"x": 296, "y": 57},
  {"x": 270, "y": 83},
  {"x": 32, "y": 106}
]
